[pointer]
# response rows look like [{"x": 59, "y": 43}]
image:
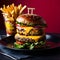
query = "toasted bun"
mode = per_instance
[{"x": 28, "y": 18}]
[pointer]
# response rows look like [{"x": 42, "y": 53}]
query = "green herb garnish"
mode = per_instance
[{"x": 29, "y": 45}]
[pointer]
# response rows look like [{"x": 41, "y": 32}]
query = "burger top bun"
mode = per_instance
[{"x": 31, "y": 18}]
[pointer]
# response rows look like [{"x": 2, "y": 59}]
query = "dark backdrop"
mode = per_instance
[{"x": 48, "y": 9}]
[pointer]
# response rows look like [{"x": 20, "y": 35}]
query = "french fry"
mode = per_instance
[
  {"x": 15, "y": 12},
  {"x": 12, "y": 6},
  {"x": 15, "y": 9},
  {"x": 22, "y": 9},
  {"x": 6, "y": 14},
  {"x": 20, "y": 6},
  {"x": 1, "y": 9},
  {"x": 4, "y": 7},
  {"x": 12, "y": 10},
  {"x": 7, "y": 6}
]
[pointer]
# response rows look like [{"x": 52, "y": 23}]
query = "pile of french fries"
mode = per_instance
[
  {"x": 10, "y": 13},
  {"x": 12, "y": 10}
]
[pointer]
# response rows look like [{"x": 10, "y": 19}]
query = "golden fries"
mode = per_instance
[
  {"x": 12, "y": 10},
  {"x": 22, "y": 9},
  {"x": 10, "y": 13}
]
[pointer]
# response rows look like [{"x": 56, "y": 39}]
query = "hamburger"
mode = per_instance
[{"x": 30, "y": 32}]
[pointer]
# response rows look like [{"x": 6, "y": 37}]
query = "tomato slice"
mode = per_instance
[
  {"x": 19, "y": 42},
  {"x": 17, "y": 25}
]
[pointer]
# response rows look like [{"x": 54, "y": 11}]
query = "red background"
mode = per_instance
[{"x": 48, "y": 9}]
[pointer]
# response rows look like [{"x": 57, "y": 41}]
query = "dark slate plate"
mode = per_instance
[{"x": 53, "y": 42}]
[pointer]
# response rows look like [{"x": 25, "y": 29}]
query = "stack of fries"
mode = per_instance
[
  {"x": 10, "y": 13},
  {"x": 12, "y": 10}
]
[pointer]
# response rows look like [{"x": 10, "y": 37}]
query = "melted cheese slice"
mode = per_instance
[
  {"x": 27, "y": 29},
  {"x": 36, "y": 38}
]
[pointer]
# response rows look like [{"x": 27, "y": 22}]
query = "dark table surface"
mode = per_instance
[{"x": 54, "y": 54}]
